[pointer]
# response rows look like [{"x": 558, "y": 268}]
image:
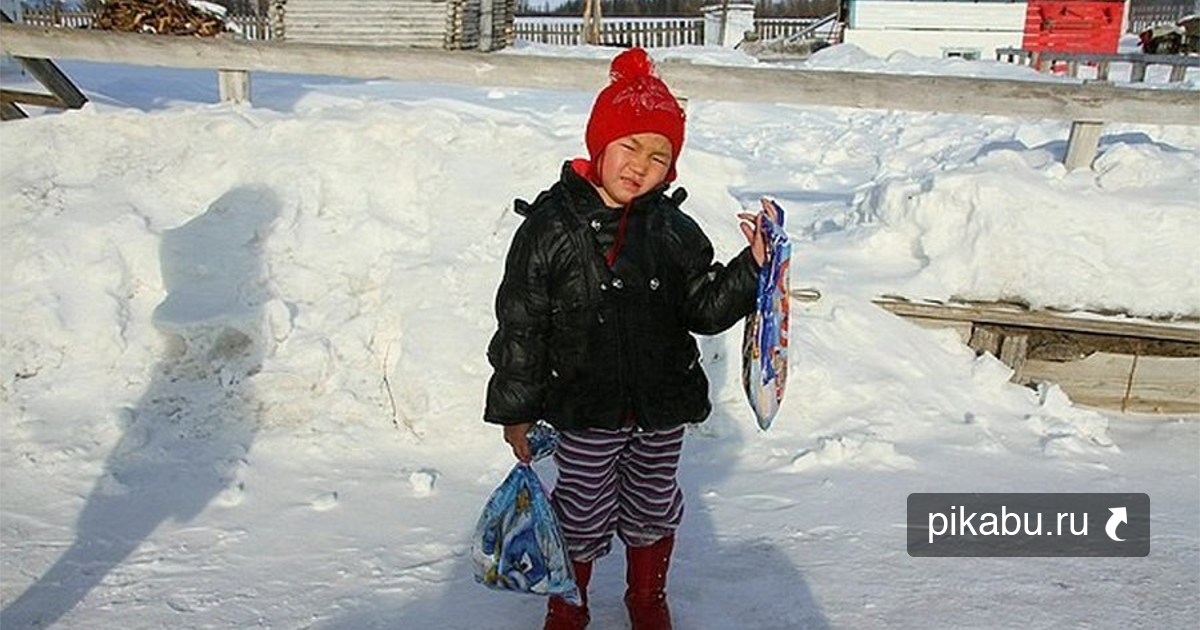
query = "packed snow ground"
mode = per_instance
[{"x": 243, "y": 357}]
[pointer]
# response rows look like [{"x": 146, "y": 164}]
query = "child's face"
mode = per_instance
[{"x": 632, "y": 166}]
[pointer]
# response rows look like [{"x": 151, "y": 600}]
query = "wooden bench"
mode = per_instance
[{"x": 1102, "y": 360}]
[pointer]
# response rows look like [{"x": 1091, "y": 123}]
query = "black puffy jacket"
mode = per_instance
[{"x": 582, "y": 345}]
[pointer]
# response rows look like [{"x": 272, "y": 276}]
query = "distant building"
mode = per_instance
[
  {"x": 934, "y": 28},
  {"x": 1146, "y": 13},
  {"x": 448, "y": 24},
  {"x": 974, "y": 29}
]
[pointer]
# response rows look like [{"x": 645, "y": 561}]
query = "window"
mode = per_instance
[{"x": 970, "y": 54}]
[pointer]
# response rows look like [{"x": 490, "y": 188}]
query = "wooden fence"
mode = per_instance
[
  {"x": 646, "y": 32},
  {"x": 66, "y": 19},
  {"x": 778, "y": 28},
  {"x": 1143, "y": 16},
  {"x": 1071, "y": 63}
]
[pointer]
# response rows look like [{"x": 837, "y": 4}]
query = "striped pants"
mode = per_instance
[{"x": 621, "y": 481}]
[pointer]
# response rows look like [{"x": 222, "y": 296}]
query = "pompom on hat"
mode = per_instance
[{"x": 635, "y": 101}]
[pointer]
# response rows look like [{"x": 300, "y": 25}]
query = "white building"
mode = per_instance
[{"x": 972, "y": 29}]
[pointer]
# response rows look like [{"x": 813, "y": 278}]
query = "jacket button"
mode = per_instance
[
  {"x": 653, "y": 284},
  {"x": 596, "y": 224},
  {"x": 603, "y": 286},
  {"x": 600, "y": 318},
  {"x": 618, "y": 284}
]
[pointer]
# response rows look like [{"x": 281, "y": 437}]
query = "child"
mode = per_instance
[{"x": 604, "y": 285}]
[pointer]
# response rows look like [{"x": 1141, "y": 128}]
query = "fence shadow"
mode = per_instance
[{"x": 188, "y": 435}]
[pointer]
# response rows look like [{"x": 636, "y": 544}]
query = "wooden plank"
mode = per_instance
[
  {"x": 31, "y": 98},
  {"x": 1013, "y": 353},
  {"x": 1100, "y": 380},
  {"x": 9, "y": 111},
  {"x": 1083, "y": 144},
  {"x": 54, "y": 80},
  {"x": 1165, "y": 385},
  {"x": 991, "y": 314},
  {"x": 970, "y": 95},
  {"x": 984, "y": 339},
  {"x": 963, "y": 329}
]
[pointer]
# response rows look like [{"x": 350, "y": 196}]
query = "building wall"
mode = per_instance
[
  {"x": 933, "y": 43},
  {"x": 931, "y": 28},
  {"x": 452, "y": 24}
]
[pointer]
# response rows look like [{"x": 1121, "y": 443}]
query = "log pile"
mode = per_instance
[{"x": 160, "y": 17}]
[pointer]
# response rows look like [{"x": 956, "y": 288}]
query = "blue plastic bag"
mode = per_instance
[
  {"x": 518, "y": 543},
  {"x": 764, "y": 344}
]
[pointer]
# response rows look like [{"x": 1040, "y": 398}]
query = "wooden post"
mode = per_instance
[
  {"x": 724, "y": 21},
  {"x": 234, "y": 85},
  {"x": 1137, "y": 73},
  {"x": 1083, "y": 144},
  {"x": 1013, "y": 351},
  {"x": 1177, "y": 73},
  {"x": 486, "y": 26},
  {"x": 984, "y": 339},
  {"x": 591, "y": 22},
  {"x": 1102, "y": 70}
]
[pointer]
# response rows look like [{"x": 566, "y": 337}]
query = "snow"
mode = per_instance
[{"x": 243, "y": 356}]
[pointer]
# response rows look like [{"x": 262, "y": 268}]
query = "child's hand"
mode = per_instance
[
  {"x": 515, "y": 435},
  {"x": 752, "y": 227}
]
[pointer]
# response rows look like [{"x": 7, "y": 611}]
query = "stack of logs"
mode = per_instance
[{"x": 161, "y": 17}]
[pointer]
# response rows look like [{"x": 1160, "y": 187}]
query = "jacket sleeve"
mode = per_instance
[
  {"x": 717, "y": 295},
  {"x": 517, "y": 351}
]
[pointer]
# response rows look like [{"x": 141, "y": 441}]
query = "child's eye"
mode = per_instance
[{"x": 660, "y": 160}]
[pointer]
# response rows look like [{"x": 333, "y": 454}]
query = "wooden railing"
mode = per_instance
[
  {"x": 1088, "y": 105},
  {"x": 778, "y": 28},
  {"x": 1070, "y": 63}
]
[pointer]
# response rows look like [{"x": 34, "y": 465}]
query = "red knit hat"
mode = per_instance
[{"x": 635, "y": 101}]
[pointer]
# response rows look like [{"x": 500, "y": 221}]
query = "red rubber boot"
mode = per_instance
[
  {"x": 563, "y": 616},
  {"x": 646, "y": 576}
]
